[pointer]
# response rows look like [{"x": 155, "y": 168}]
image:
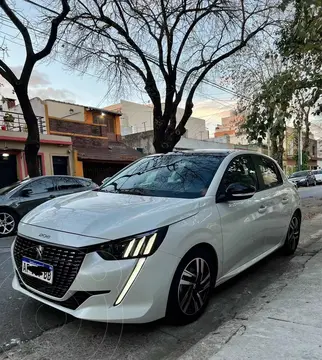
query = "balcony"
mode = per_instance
[{"x": 13, "y": 121}]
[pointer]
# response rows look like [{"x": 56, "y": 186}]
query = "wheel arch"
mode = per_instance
[{"x": 209, "y": 248}]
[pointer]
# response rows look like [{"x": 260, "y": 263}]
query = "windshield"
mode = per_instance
[
  {"x": 178, "y": 175},
  {"x": 6, "y": 189},
  {"x": 299, "y": 174},
  {"x": 317, "y": 172}
]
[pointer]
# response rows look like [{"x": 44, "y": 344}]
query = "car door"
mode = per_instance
[
  {"x": 68, "y": 185},
  {"x": 276, "y": 201},
  {"x": 242, "y": 221},
  {"x": 35, "y": 193}
]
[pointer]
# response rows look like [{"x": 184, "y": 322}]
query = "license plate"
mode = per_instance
[{"x": 38, "y": 270}]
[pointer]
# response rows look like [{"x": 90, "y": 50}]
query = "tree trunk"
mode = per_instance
[
  {"x": 306, "y": 141},
  {"x": 280, "y": 150},
  {"x": 166, "y": 137},
  {"x": 32, "y": 144}
]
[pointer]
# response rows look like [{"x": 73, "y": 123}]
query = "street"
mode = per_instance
[{"x": 46, "y": 330}]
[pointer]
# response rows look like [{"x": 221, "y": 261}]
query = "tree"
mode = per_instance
[
  {"x": 20, "y": 84},
  {"x": 166, "y": 47},
  {"x": 268, "y": 111}
]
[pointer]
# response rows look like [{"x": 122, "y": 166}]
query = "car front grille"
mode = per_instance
[{"x": 66, "y": 263}]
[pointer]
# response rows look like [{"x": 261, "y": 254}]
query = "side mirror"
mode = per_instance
[
  {"x": 239, "y": 191},
  {"x": 26, "y": 192}
]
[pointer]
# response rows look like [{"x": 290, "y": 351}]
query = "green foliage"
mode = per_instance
[
  {"x": 269, "y": 109},
  {"x": 305, "y": 160}
]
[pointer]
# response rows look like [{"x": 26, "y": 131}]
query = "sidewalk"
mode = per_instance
[{"x": 289, "y": 327}]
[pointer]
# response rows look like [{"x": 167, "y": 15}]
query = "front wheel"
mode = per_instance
[
  {"x": 191, "y": 287},
  {"x": 293, "y": 236},
  {"x": 8, "y": 223}
]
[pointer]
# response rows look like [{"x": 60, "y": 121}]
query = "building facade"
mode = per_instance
[
  {"x": 291, "y": 151},
  {"x": 230, "y": 129},
  {"x": 13, "y": 135},
  {"x": 143, "y": 142},
  {"x": 138, "y": 118},
  {"x": 98, "y": 148}
]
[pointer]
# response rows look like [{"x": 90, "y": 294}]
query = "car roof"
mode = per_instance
[
  {"x": 68, "y": 176},
  {"x": 208, "y": 151}
]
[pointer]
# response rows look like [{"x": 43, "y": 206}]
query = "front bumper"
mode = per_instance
[{"x": 102, "y": 282}]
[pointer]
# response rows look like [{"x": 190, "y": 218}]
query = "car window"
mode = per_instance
[
  {"x": 84, "y": 182},
  {"x": 174, "y": 175},
  {"x": 40, "y": 186},
  {"x": 270, "y": 173},
  {"x": 67, "y": 183},
  {"x": 240, "y": 170},
  {"x": 299, "y": 174}
]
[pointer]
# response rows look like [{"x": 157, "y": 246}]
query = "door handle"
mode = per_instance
[
  {"x": 262, "y": 209},
  {"x": 285, "y": 200}
]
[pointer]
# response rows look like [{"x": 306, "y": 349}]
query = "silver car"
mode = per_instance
[{"x": 156, "y": 237}]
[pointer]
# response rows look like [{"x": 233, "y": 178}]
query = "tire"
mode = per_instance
[
  {"x": 8, "y": 223},
  {"x": 187, "y": 302},
  {"x": 293, "y": 235}
]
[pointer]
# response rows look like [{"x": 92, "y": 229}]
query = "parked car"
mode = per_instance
[
  {"x": 303, "y": 178},
  {"x": 318, "y": 176},
  {"x": 154, "y": 240},
  {"x": 19, "y": 198}
]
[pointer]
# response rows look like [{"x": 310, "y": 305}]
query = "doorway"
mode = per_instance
[
  {"x": 8, "y": 170},
  {"x": 60, "y": 165}
]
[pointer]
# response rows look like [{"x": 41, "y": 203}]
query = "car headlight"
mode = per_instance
[{"x": 136, "y": 246}]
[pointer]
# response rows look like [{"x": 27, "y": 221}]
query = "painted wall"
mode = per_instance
[
  {"x": 144, "y": 141},
  {"x": 60, "y": 110},
  {"x": 139, "y": 118},
  {"x": 47, "y": 150}
]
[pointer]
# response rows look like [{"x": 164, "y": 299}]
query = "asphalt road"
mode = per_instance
[
  {"x": 23, "y": 319},
  {"x": 312, "y": 191}
]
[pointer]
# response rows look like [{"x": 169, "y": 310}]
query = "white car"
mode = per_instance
[
  {"x": 154, "y": 240},
  {"x": 318, "y": 176}
]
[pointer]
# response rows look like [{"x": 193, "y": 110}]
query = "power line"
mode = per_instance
[
  {"x": 85, "y": 49},
  {"x": 206, "y": 81}
]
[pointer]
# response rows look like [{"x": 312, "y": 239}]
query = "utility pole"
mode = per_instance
[
  {"x": 144, "y": 124},
  {"x": 299, "y": 149}
]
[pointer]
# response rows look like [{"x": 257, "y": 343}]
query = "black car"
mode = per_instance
[
  {"x": 19, "y": 198},
  {"x": 303, "y": 178}
]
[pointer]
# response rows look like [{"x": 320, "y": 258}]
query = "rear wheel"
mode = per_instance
[
  {"x": 191, "y": 287},
  {"x": 293, "y": 235},
  {"x": 8, "y": 223}
]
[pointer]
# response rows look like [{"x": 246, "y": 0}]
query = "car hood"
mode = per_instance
[{"x": 109, "y": 216}]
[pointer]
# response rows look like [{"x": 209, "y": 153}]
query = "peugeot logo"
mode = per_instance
[
  {"x": 40, "y": 250},
  {"x": 44, "y": 236}
]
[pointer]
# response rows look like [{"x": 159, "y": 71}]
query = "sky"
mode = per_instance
[{"x": 52, "y": 79}]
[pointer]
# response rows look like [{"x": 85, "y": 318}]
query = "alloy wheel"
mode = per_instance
[
  {"x": 7, "y": 223},
  {"x": 194, "y": 286},
  {"x": 294, "y": 233}
]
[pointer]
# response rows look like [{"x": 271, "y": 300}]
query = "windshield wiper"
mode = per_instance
[{"x": 134, "y": 191}]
